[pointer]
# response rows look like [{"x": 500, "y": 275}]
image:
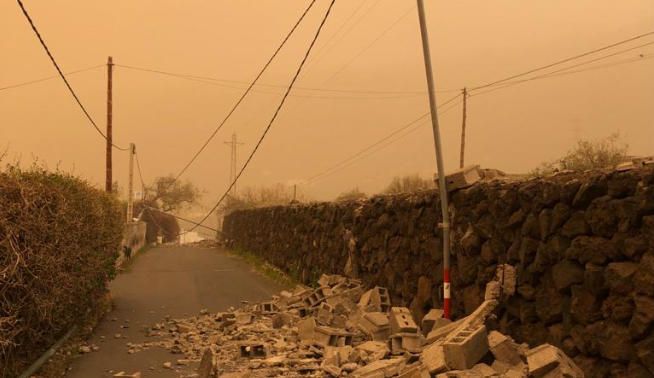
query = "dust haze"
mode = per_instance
[{"x": 370, "y": 49}]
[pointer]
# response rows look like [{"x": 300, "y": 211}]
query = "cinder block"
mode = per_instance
[
  {"x": 306, "y": 328},
  {"x": 433, "y": 358},
  {"x": 401, "y": 321},
  {"x": 464, "y": 348},
  {"x": 253, "y": 350},
  {"x": 461, "y": 178},
  {"x": 376, "y": 350},
  {"x": 405, "y": 342},
  {"x": 324, "y": 313},
  {"x": 503, "y": 348},
  {"x": 430, "y": 319},
  {"x": 380, "y": 368},
  {"x": 416, "y": 370},
  {"x": 375, "y": 325},
  {"x": 267, "y": 308},
  {"x": 317, "y": 296},
  {"x": 549, "y": 361},
  {"x": 331, "y": 337},
  {"x": 375, "y": 300}
]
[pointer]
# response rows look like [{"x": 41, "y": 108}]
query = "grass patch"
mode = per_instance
[{"x": 265, "y": 268}]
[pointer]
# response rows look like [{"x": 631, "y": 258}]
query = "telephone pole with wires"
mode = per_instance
[
  {"x": 109, "y": 169},
  {"x": 233, "y": 168},
  {"x": 464, "y": 93}
]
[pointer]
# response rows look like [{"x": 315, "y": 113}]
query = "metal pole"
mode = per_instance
[
  {"x": 445, "y": 225},
  {"x": 464, "y": 92},
  {"x": 109, "y": 180},
  {"x": 130, "y": 185}
]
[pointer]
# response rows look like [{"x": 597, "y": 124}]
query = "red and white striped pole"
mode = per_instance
[{"x": 445, "y": 224}]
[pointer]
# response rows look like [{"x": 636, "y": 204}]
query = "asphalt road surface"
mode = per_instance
[{"x": 166, "y": 281}]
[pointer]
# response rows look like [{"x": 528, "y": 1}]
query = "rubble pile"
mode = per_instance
[{"x": 339, "y": 329}]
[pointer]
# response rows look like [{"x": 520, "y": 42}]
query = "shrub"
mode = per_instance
[{"x": 59, "y": 239}]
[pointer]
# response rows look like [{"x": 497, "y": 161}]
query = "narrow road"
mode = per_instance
[{"x": 166, "y": 281}]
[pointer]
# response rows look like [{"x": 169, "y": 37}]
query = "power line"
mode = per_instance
[
  {"x": 406, "y": 133},
  {"x": 49, "y": 77},
  {"x": 236, "y": 105},
  {"x": 272, "y": 120},
  {"x": 182, "y": 219},
  {"x": 326, "y": 47},
  {"x": 61, "y": 74},
  {"x": 216, "y": 81},
  {"x": 379, "y": 37},
  {"x": 564, "y": 72},
  {"x": 345, "y": 162},
  {"x": 564, "y": 61}
]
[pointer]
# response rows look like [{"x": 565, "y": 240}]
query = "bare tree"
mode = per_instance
[
  {"x": 588, "y": 154},
  {"x": 254, "y": 197},
  {"x": 351, "y": 195},
  {"x": 169, "y": 194},
  {"x": 408, "y": 184}
]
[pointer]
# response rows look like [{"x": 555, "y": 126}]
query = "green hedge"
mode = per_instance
[{"x": 59, "y": 238}]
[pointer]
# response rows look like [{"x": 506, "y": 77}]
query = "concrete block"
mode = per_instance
[
  {"x": 317, "y": 296},
  {"x": 328, "y": 336},
  {"x": 253, "y": 350},
  {"x": 380, "y": 368},
  {"x": 127, "y": 375},
  {"x": 503, "y": 348},
  {"x": 324, "y": 313},
  {"x": 267, "y": 308},
  {"x": 306, "y": 328},
  {"x": 433, "y": 358},
  {"x": 401, "y": 321},
  {"x": 243, "y": 318},
  {"x": 549, "y": 361},
  {"x": 465, "y": 347},
  {"x": 461, "y": 178},
  {"x": 205, "y": 370},
  {"x": 416, "y": 370},
  {"x": 493, "y": 290},
  {"x": 483, "y": 370},
  {"x": 374, "y": 350},
  {"x": 375, "y": 325},
  {"x": 405, "y": 342},
  {"x": 439, "y": 333},
  {"x": 506, "y": 275},
  {"x": 375, "y": 300},
  {"x": 430, "y": 319}
]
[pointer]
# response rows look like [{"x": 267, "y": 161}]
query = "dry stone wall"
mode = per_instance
[{"x": 582, "y": 244}]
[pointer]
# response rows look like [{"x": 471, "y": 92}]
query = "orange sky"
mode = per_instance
[{"x": 473, "y": 42}]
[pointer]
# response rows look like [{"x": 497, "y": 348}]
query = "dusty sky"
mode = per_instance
[{"x": 473, "y": 42}]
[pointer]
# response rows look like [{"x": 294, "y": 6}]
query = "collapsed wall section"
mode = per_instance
[{"x": 583, "y": 246}]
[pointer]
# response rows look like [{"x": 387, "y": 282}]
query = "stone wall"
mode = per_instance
[
  {"x": 134, "y": 237},
  {"x": 583, "y": 246}
]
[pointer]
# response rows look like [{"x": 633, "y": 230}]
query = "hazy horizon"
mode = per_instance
[{"x": 372, "y": 68}]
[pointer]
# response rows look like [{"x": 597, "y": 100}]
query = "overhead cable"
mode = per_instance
[
  {"x": 272, "y": 120},
  {"x": 63, "y": 77}
]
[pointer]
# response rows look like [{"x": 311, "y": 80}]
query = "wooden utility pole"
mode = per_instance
[
  {"x": 445, "y": 224},
  {"x": 130, "y": 184},
  {"x": 463, "y": 128},
  {"x": 109, "y": 180}
]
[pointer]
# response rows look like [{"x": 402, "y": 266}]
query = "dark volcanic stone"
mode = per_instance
[
  {"x": 576, "y": 225},
  {"x": 567, "y": 273}
]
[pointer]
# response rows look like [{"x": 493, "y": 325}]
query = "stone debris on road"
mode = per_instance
[{"x": 340, "y": 329}]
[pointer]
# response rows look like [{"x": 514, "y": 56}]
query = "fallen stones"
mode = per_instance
[
  {"x": 548, "y": 361},
  {"x": 339, "y": 330}
]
